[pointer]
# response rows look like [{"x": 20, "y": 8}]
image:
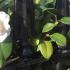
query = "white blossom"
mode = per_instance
[{"x": 4, "y": 26}]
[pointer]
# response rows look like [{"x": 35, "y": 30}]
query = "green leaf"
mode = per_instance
[
  {"x": 1, "y": 60},
  {"x": 65, "y": 20},
  {"x": 46, "y": 49},
  {"x": 36, "y": 41},
  {"x": 45, "y": 9},
  {"x": 1, "y": 63},
  {"x": 36, "y": 1},
  {"x": 6, "y": 48},
  {"x": 47, "y": 27},
  {"x": 5, "y": 51},
  {"x": 59, "y": 39},
  {"x": 49, "y": 1}
]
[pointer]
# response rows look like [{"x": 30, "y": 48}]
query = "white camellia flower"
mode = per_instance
[{"x": 4, "y": 26}]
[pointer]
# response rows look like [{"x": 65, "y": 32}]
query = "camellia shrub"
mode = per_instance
[{"x": 46, "y": 22}]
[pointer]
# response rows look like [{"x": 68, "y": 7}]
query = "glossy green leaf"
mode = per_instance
[
  {"x": 49, "y": 1},
  {"x": 45, "y": 9},
  {"x": 6, "y": 49},
  {"x": 46, "y": 49},
  {"x": 44, "y": 4},
  {"x": 36, "y": 1},
  {"x": 59, "y": 39},
  {"x": 36, "y": 41},
  {"x": 65, "y": 20},
  {"x": 47, "y": 27}
]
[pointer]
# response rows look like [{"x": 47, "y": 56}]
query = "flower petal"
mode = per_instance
[
  {"x": 3, "y": 37},
  {"x": 5, "y": 19}
]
